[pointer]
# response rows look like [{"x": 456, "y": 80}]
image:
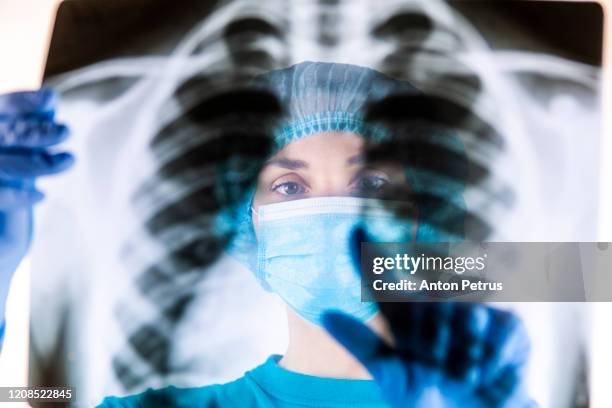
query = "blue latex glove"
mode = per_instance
[
  {"x": 446, "y": 354},
  {"x": 27, "y": 131}
]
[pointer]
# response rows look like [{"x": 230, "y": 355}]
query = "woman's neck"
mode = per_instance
[{"x": 313, "y": 351}]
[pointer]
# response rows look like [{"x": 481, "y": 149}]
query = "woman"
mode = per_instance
[{"x": 310, "y": 203}]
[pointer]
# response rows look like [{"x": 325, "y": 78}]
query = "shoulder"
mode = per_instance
[
  {"x": 242, "y": 392},
  {"x": 166, "y": 397}
]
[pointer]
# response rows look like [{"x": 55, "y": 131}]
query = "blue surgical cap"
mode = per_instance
[{"x": 327, "y": 97}]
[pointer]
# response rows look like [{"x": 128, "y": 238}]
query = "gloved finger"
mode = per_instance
[
  {"x": 427, "y": 332},
  {"x": 16, "y": 103},
  {"x": 470, "y": 324},
  {"x": 506, "y": 343},
  {"x": 503, "y": 388},
  {"x": 422, "y": 331},
  {"x": 12, "y": 198},
  {"x": 27, "y": 163},
  {"x": 33, "y": 133},
  {"x": 399, "y": 325}
]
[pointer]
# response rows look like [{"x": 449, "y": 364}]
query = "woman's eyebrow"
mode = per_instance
[{"x": 288, "y": 163}]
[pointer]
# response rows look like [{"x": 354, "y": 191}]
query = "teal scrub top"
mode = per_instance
[{"x": 268, "y": 385}]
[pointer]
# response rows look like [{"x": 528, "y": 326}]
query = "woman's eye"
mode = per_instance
[
  {"x": 371, "y": 184},
  {"x": 289, "y": 188}
]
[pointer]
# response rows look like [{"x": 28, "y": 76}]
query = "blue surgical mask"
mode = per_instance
[{"x": 304, "y": 252}]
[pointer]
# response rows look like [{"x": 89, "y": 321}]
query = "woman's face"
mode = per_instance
[{"x": 326, "y": 164}]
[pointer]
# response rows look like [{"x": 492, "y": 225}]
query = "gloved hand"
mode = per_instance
[
  {"x": 445, "y": 354},
  {"x": 27, "y": 131}
]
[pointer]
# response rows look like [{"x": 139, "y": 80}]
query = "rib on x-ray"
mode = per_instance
[{"x": 191, "y": 134}]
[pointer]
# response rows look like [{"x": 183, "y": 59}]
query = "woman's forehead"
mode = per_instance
[{"x": 328, "y": 145}]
